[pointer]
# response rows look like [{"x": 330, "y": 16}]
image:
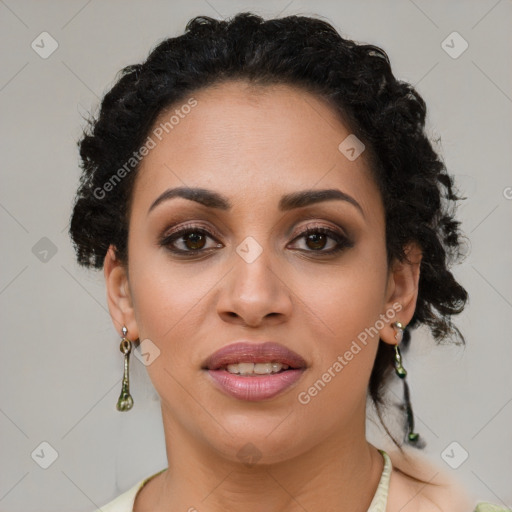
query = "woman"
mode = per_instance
[{"x": 272, "y": 221}]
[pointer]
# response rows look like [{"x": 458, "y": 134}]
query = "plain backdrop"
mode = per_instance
[{"x": 60, "y": 365}]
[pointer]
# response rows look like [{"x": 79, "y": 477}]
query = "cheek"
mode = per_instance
[
  {"x": 350, "y": 297},
  {"x": 171, "y": 305},
  {"x": 343, "y": 311},
  {"x": 165, "y": 295},
  {"x": 347, "y": 344},
  {"x": 168, "y": 311}
]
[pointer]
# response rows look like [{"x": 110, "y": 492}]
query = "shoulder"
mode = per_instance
[
  {"x": 125, "y": 501},
  {"x": 418, "y": 485}
]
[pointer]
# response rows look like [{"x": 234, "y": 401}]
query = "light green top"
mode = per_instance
[
  {"x": 125, "y": 501},
  {"x": 489, "y": 507}
]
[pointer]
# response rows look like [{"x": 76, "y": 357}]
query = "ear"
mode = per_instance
[
  {"x": 402, "y": 291},
  {"x": 119, "y": 298}
]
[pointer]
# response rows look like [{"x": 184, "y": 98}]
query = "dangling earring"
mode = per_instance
[
  {"x": 125, "y": 401},
  {"x": 412, "y": 437}
]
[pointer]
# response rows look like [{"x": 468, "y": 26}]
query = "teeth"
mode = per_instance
[{"x": 256, "y": 368}]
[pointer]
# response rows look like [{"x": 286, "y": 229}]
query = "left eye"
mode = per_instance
[
  {"x": 317, "y": 238},
  {"x": 194, "y": 240}
]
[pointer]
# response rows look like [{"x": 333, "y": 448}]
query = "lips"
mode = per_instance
[
  {"x": 246, "y": 352},
  {"x": 253, "y": 386}
]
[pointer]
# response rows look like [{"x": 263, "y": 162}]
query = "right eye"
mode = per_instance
[{"x": 193, "y": 240}]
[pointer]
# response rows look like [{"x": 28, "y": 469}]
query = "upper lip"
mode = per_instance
[{"x": 245, "y": 352}]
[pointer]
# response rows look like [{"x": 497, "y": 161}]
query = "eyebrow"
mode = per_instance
[{"x": 212, "y": 199}]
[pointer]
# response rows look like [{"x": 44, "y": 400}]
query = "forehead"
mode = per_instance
[{"x": 251, "y": 141}]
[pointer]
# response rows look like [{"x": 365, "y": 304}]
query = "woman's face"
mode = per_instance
[{"x": 247, "y": 272}]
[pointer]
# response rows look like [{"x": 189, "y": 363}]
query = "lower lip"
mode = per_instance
[{"x": 257, "y": 387}]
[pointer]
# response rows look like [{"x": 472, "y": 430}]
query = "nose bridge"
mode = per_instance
[
  {"x": 254, "y": 273},
  {"x": 255, "y": 232},
  {"x": 254, "y": 289}
]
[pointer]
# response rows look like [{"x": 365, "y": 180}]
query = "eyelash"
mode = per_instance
[{"x": 342, "y": 241}]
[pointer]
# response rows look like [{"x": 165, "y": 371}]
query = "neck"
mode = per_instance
[{"x": 340, "y": 473}]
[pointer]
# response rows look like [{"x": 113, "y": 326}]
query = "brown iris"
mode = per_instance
[{"x": 318, "y": 240}]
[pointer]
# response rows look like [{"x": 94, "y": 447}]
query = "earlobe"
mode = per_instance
[
  {"x": 403, "y": 290},
  {"x": 119, "y": 297}
]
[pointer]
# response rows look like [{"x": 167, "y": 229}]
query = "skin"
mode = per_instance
[{"x": 253, "y": 145}]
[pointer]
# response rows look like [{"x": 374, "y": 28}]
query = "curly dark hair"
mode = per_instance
[{"x": 387, "y": 114}]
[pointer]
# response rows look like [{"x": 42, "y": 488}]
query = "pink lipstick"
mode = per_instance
[{"x": 254, "y": 372}]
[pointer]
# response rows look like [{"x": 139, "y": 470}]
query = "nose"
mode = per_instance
[{"x": 255, "y": 292}]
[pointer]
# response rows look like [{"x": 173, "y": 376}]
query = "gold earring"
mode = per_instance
[
  {"x": 125, "y": 401},
  {"x": 399, "y": 369},
  {"x": 412, "y": 437}
]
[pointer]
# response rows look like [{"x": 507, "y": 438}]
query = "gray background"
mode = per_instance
[{"x": 60, "y": 368}]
